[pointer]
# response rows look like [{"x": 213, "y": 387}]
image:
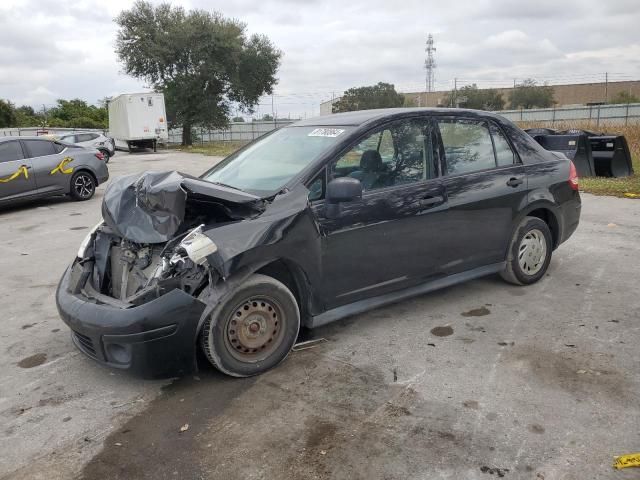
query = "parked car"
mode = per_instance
[
  {"x": 320, "y": 220},
  {"x": 100, "y": 142},
  {"x": 36, "y": 167}
]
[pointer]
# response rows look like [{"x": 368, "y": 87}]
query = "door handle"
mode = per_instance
[
  {"x": 514, "y": 182},
  {"x": 431, "y": 201}
]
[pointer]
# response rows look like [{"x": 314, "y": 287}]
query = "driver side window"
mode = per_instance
[{"x": 398, "y": 154}]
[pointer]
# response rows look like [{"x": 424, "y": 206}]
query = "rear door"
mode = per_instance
[
  {"x": 390, "y": 239},
  {"x": 16, "y": 174},
  {"x": 486, "y": 188},
  {"x": 50, "y": 165}
]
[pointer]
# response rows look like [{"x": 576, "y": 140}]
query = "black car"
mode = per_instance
[{"x": 316, "y": 221}]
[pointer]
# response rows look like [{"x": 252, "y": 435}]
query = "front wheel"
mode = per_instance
[
  {"x": 529, "y": 252},
  {"x": 83, "y": 186},
  {"x": 253, "y": 330}
]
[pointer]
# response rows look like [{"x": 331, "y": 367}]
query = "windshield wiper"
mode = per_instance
[{"x": 228, "y": 186}]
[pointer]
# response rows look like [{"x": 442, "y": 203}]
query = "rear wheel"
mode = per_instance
[
  {"x": 529, "y": 252},
  {"x": 253, "y": 330},
  {"x": 83, "y": 186}
]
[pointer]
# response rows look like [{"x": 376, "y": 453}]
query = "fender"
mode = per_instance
[
  {"x": 213, "y": 296},
  {"x": 544, "y": 204}
]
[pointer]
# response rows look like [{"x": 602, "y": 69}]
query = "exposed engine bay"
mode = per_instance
[{"x": 152, "y": 238}]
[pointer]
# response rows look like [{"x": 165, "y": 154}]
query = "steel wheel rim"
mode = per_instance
[
  {"x": 255, "y": 329},
  {"x": 532, "y": 252},
  {"x": 83, "y": 185}
]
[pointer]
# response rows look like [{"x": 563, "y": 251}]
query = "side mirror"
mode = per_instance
[{"x": 343, "y": 189}]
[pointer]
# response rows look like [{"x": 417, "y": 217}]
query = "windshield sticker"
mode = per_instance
[{"x": 326, "y": 132}]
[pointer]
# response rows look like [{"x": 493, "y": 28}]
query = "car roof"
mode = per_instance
[{"x": 361, "y": 117}]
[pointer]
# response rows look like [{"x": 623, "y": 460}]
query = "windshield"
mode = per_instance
[{"x": 267, "y": 165}]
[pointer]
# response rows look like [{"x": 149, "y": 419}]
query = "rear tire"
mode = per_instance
[
  {"x": 83, "y": 186},
  {"x": 529, "y": 252},
  {"x": 253, "y": 330}
]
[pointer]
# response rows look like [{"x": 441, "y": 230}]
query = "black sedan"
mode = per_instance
[{"x": 320, "y": 220}]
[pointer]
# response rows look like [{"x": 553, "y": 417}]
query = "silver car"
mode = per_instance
[
  {"x": 35, "y": 167},
  {"x": 92, "y": 140}
]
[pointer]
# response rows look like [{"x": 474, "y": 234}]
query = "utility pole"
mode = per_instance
[
  {"x": 44, "y": 111},
  {"x": 273, "y": 111},
  {"x": 606, "y": 87},
  {"x": 430, "y": 64},
  {"x": 514, "y": 83},
  {"x": 455, "y": 92}
]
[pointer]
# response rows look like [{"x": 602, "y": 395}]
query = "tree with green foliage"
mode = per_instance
[
  {"x": 202, "y": 62},
  {"x": 7, "y": 114},
  {"x": 531, "y": 95},
  {"x": 77, "y": 113},
  {"x": 625, "y": 97},
  {"x": 26, "y": 116},
  {"x": 382, "y": 95},
  {"x": 471, "y": 96}
]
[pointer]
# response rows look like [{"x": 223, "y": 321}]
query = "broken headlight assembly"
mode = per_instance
[{"x": 82, "y": 250}]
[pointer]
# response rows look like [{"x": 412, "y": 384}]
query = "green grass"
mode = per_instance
[
  {"x": 216, "y": 149},
  {"x": 627, "y": 187}
]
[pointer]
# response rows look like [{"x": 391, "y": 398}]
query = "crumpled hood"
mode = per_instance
[{"x": 151, "y": 207}]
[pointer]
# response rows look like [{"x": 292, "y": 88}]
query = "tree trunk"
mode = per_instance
[{"x": 187, "y": 141}]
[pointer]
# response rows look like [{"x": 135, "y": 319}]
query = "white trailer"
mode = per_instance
[{"x": 138, "y": 120}]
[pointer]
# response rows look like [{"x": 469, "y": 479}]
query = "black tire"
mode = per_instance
[
  {"x": 535, "y": 231},
  {"x": 82, "y": 186},
  {"x": 106, "y": 155},
  {"x": 261, "y": 313}
]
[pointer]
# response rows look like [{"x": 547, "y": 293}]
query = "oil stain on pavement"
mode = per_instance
[{"x": 33, "y": 360}]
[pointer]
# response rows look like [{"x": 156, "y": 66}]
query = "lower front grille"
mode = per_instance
[{"x": 85, "y": 344}]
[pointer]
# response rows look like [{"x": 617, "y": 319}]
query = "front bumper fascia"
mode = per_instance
[{"x": 153, "y": 340}]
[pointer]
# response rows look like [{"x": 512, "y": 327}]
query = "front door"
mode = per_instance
[
  {"x": 16, "y": 174},
  {"x": 486, "y": 187},
  {"x": 390, "y": 238}
]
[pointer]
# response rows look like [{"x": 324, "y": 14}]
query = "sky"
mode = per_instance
[{"x": 65, "y": 48}]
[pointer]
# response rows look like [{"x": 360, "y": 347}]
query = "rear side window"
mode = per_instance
[
  {"x": 467, "y": 145},
  {"x": 69, "y": 139},
  {"x": 40, "y": 148},
  {"x": 504, "y": 153},
  {"x": 58, "y": 147},
  {"x": 10, "y": 151},
  {"x": 85, "y": 137}
]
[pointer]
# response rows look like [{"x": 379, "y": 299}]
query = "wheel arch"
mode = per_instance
[
  {"x": 286, "y": 271},
  {"x": 545, "y": 211}
]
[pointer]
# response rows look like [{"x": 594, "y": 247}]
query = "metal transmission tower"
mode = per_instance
[{"x": 430, "y": 64}]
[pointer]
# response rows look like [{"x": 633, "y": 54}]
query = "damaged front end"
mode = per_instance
[
  {"x": 153, "y": 241},
  {"x": 135, "y": 291}
]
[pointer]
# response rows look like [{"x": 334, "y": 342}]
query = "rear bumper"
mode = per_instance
[
  {"x": 157, "y": 339},
  {"x": 570, "y": 212}
]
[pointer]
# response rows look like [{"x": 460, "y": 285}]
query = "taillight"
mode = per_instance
[
  {"x": 573, "y": 176},
  {"x": 100, "y": 156}
]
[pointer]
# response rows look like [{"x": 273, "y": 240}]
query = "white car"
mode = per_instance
[{"x": 95, "y": 140}]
